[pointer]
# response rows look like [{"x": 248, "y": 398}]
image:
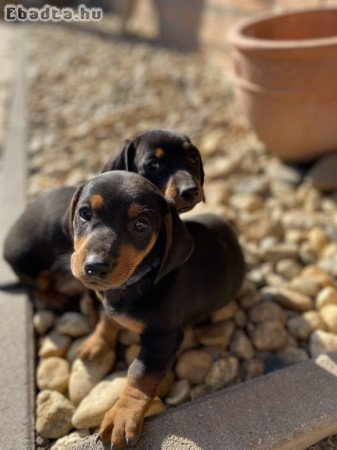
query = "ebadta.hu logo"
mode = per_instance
[{"x": 50, "y": 13}]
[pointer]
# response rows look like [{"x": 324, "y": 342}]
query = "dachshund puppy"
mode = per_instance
[
  {"x": 39, "y": 245},
  {"x": 153, "y": 273}
]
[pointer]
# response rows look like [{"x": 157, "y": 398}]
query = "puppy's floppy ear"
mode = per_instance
[
  {"x": 68, "y": 217},
  {"x": 123, "y": 161},
  {"x": 179, "y": 243},
  {"x": 202, "y": 174}
]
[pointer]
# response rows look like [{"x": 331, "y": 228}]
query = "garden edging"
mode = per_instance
[
  {"x": 289, "y": 409},
  {"x": 16, "y": 331}
]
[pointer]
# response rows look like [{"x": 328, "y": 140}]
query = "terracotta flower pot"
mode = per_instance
[{"x": 286, "y": 80}]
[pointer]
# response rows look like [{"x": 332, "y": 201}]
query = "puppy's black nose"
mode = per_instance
[
  {"x": 95, "y": 267},
  {"x": 189, "y": 193}
]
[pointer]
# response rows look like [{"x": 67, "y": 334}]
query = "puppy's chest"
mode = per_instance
[
  {"x": 123, "y": 313},
  {"x": 132, "y": 324},
  {"x": 139, "y": 313}
]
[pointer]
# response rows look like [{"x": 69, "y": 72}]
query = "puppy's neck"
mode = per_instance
[{"x": 139, "y": 283}]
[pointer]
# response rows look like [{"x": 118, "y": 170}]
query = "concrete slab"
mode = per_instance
[
  {"x": 16, "y": 330},
  {"x": 290, "y": 409},
  {"x": 13, "y": 182}
]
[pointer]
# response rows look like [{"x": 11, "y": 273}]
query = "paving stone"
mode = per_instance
[{"x": 288, "y": 419}]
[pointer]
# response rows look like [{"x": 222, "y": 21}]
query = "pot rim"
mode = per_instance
[{"x": 238, "y": 39}]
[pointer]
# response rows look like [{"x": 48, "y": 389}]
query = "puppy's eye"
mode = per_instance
[
  {"x": 140, "y": 225},
  {"x": 194, "y": 157},
  {"x": 152, "y": 166},
  {"x": 85, "y": 213}
]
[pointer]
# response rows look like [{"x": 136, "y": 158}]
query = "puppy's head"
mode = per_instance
[
  {"x": 170, "y": 161},
  {"x": 117, "y": 219}
]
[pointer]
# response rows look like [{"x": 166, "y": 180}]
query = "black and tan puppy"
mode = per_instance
[
  {"x": 154, "y": 274},
  {"x": 39, "y": 245}
]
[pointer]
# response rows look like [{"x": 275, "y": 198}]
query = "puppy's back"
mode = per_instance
[
  {"x": 27, "y": 246},
  {"x": 219, "y": 259}
]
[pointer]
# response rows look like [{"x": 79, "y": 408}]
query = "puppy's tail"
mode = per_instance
[{"x": 13, "y": 287}]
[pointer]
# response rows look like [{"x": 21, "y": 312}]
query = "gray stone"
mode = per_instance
[
  {"x": 43, "y": 321},
  {"x": 269, "y": 336},
  {"x": 73, "y": 324},
  {"x": 323, "y": 173},
  {"x": 267, "y": 311},
  {"x": 277, "y": 252},
  {"x": 217, "y": 334},
  {"x": 251, "y": 185},
  {"x": 193, "y": 365},
  {"x": 102, "y": 397},
  {"x": 179, "y": 393},
  {"x": 322, "y": 342},
  {"x": 189, "y": 340},
  {"x": 305, "y": 286},
  {"x": 329, "y": 317},
  {"x": 222, "y": 373},
  {"x": 253, "y": 368},
  {"x": 288, "y": 299},
  {"x": 53, "y": 414},
  {"x": 327, "y": 296},
  {"x": 54, "y": 344},
  {"x": 283, "y": 173},
  {"x": 86, "y": 374},
  {"x": 291, "y": 355},
  {"x": 72, "y": 351},
  {"x": 63, "y": 443},
  {"x": 299, "y": 327},
  {"x": 288, "y": 268},
  {"x": 53, "y": 373},
  {"x": 246, "y": 202},
  {"x": 241, "y": 346}
]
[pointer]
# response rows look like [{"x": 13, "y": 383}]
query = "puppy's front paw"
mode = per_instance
[
  {"x": 94, "y": 347},
  {"x": 122, "y": 425}
]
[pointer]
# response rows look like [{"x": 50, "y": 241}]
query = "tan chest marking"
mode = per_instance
[{"x": 131, "y": 324}]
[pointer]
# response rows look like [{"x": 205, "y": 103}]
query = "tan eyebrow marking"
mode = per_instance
[
  {"x": 159, "y": 153},
  {"x": 96, "y": 201},
  {"x": 133, "y": 210}
]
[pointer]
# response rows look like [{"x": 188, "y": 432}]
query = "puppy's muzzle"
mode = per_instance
[{"x": 189, "y": 193}]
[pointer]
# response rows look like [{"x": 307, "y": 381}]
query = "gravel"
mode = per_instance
[{"x": 87, "y": 94}]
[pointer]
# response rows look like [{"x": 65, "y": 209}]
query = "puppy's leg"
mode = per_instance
[
  {"x": 101, "y": 340},
  {"x": 122, "y": 424},
  {"x": 90, "y": 307},
  {"x": 44, "y": 290}
]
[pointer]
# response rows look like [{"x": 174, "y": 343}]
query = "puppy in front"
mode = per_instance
[
  {"x": 154, "y": 274},
  {"x": 39, "y": 244}
]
